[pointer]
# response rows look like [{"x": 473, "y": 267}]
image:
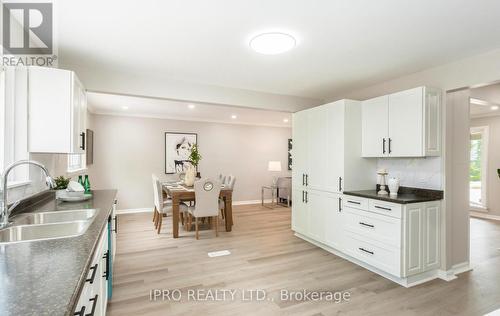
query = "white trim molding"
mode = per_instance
[{"x": 484, "y": 215}]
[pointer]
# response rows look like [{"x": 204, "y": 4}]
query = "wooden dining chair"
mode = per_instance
[
  {"x": 229, "y": 184},
  {"x": 206, "y": 192}
]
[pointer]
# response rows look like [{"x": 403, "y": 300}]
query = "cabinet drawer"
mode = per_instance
[
  {"x": 385, "y": 258},
  {"x": 380, "y": 228},
  {"x": 356, "y": 202},
  {"x": 385, "y": 208}
]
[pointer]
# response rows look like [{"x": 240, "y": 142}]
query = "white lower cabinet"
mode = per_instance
[
  {"x": 94, "y": 296},
  {"x": 398, "y": 241}
]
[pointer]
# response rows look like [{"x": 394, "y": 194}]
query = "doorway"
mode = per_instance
[{"x": 478, "y": 168}]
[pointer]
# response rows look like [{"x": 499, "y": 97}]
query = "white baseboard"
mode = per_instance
[
  {"x": 135, "y": 210},
  {"x": 461, "y": 267},
  {"x": 249, "y": 202},
  {"x": 484, "y": 215},
  {"x": 150, "y": 209}
]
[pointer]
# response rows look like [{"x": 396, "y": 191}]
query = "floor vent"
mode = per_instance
[{"x": 219, "y": 253}]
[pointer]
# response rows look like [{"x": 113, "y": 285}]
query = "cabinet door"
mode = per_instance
[
  {"x": 299, "y": 148},
  {"x": 299, "y": 212},
  {"x": 333, "y": 222},
  {"x": 414, "y": 239},
  {"x": 375, "y": 118},
  {"x": 431, "y": 236},
  {"x": 50, "y": 113},
  {"x": 334, "y": 148},
  {"x": 317, "y": 205},
  {"x": 406, "y": 130},
  {"x": 317, "y": 148}
]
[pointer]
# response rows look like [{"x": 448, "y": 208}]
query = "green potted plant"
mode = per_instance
[
  {"x": 61, "y": 184},
  {"x": 191, "y": 173},
  {"x": 195, "y": 156}
]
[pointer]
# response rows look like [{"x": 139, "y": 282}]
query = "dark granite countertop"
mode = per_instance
[
  {"x": 405, "y": 195},
  {"x": 46, "y": 277}
]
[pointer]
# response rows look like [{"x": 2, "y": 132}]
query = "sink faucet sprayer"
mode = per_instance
[{"x": 5, "y": 209}]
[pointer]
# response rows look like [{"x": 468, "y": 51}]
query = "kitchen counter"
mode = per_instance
[
  {"x": 405, "y": 195},
  {"x": 45, "y": 277}
]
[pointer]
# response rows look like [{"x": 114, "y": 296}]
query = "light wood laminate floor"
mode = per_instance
[{"x": 266, "y": 255}]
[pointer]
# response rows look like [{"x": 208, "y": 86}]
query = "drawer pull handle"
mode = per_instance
[
  {"x": 367, "y": 251},
  {"x": 81, "y": 312},
  {"x": 92, "y": 277},
  {"x": 367, "y": 225},
  {"x": 383, "y": 208},
  {"x": 354, "y": 202},
  {"x": 94, "y": 304}
]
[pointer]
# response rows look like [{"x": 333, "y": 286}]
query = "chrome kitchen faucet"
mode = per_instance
[{"x": 5, "y": 209}]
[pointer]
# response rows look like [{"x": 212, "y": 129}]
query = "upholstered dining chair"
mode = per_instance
[
  {"x": 228, "y": 183},
  {"x": 163, "y": 207},
  {"x": 206, "y": 192}
]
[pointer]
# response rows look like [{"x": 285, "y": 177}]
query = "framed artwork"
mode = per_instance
[
  {"x": 290, "y": 145},
  {"x": 177, "y": 150}
]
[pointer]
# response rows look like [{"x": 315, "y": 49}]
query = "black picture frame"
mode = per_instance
[
  {"x": 89, "y": 153},
  {"x": 167, "y": 162}
]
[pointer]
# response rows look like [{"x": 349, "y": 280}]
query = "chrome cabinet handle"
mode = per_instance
[
  {"x": 353, "y": 202},
  {"x": 383, "y": 146},
  {"x": 340, "y": 183},
  {"x": 383, "y": 208},
  {"x": 340, "y": 205},
  {"x": 390, "y": 140}
]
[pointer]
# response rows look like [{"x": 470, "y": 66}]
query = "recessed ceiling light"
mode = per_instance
[
  {"x": 124, "y": 107},
  {"x": 272, "y": 43},
  {"x": 233, "y": 116},
  {"x": 494, "y": 107},
  {"x": 285, "y": 120},
  {"x": 191, "y": 106}
]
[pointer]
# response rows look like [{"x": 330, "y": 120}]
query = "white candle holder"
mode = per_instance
[{"x": 382, "y": 174}]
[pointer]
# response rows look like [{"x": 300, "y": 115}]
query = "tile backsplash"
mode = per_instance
[{"x": 423, "y": 173}]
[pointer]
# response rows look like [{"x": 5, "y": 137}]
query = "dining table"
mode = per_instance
[{"x": 182, "y": 193}]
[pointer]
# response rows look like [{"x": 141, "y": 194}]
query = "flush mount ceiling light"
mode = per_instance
[
  {"x": 191, "y": 106},
  {"x": 125, "y": 107},
  {"x": 233, "y": 116},
  {"x": 494, "y": 107},
  {"x": 285, "y": 120},
  {"x": 272, "y": 43}
]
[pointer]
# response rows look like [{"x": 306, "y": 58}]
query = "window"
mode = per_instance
[
  {"x": 478, "y": 167},
  {"x": 14, "y": 122},
  {"x": 76, "y": 162}
]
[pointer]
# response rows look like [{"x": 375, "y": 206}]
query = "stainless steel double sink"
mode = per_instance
[{"x": 47, "y": 225}]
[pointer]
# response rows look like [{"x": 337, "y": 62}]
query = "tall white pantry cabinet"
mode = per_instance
[{"x": 327, "y": 160}]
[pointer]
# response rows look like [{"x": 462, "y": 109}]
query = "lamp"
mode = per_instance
[{"x": 274, "y": 166}]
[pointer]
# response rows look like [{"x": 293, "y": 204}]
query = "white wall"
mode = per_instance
[
  {"x": 423, "y": 173},
  {"x": 493, "y": 181},
  {"x": 128, "y": 150}
]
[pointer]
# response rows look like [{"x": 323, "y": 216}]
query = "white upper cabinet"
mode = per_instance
[
  {"x": 57, "y": 111},
  {"x": 375, "y": 124},
  {"x": 402, "y": 124}
]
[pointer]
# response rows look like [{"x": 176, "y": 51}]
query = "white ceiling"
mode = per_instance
[
  {"x": 111, "y": 104},
  {"x": 490, "y": 95},
  {"x": 198, "y": 50}
]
